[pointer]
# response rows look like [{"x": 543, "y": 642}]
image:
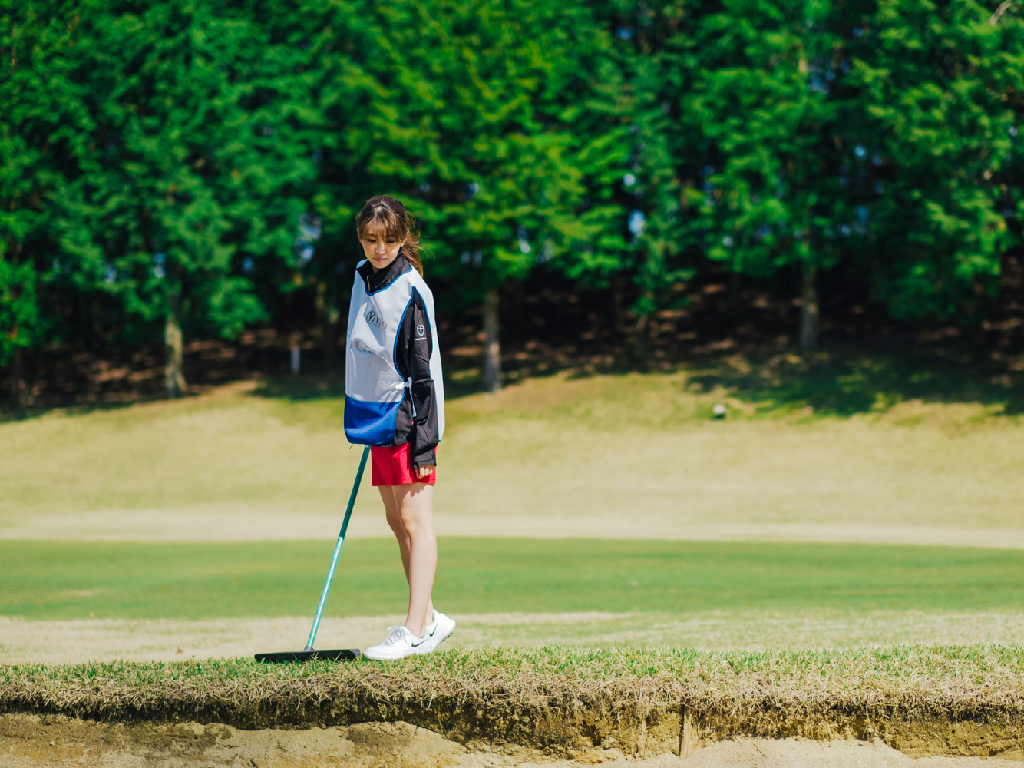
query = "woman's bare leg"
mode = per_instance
[
  {"x": 394, "y": 518},
  {"x": 410, "y": 514}
]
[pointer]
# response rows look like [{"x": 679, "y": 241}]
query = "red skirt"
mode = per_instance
[{"x": 393, "y": 466}]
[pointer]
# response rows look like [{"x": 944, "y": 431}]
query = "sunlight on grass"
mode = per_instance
[
  {"x": 121, "y": 580},
  {"x": 609, "y": 456}
]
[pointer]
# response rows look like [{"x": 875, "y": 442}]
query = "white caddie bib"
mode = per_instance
[{"x": 374, "y": 388}]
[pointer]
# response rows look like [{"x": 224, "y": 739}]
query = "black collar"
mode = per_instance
[{"x": 379, "y": 280}]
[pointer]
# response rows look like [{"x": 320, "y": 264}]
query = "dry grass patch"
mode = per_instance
[
  {"x": 918, "y": 699},
  {"x": 233, "y": 466}
]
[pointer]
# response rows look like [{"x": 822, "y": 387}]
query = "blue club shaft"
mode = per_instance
[{"x": 337, "y": 548}]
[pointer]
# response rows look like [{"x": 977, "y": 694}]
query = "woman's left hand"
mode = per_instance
[{"x": 424, "y": 471}]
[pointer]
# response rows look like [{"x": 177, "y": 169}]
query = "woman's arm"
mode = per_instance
[{"x": 418, "y": 342}]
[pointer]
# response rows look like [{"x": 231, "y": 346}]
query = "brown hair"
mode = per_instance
[{"x": 386, "y": 217}]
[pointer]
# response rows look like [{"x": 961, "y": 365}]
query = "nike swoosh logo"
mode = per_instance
[{"x": 425, "y": 638}]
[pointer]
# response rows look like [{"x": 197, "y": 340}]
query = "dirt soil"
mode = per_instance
[{"x": 51, "y": 741}]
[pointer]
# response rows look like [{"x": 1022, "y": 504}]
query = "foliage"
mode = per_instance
[
  {"x": 764, "y": 198},
  {"x": 184, "y": 183},
  {"x": 38, "y": 128},
  {"x": 473, "y": 117},
  {"x": 938, "y": 94},
  {"x": 19, "y": 312},
  {"x": 157, "y": 157}
]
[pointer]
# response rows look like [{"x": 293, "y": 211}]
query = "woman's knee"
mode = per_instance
[
  {"x": 414, "y": 504},
  {"x": 417, "y": 521},
  {"x": 394, "y": 518}
]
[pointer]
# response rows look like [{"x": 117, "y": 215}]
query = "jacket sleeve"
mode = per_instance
[{"x": 418, "y": 345}]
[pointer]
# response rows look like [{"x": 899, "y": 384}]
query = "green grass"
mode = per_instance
[
  {"x": 903, "y": 665},
  {"x": 608, "y": 456},
  {"x": 60, "y": 580}
]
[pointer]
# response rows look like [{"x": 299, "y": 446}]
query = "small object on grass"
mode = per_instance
[
  {"x": 307, "y": 653},
  {"x": 718, "y": 411}
]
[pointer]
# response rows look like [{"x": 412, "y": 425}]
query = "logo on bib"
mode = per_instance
[
  {"x": 373, "y": 318},
  {"x": 420, "y": 332}
]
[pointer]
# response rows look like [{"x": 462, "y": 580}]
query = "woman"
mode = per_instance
[{"x": 394, "y": 402}]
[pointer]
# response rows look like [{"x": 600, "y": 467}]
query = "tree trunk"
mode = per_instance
[
  {"x": 619, "y": 304},
  {"x": 642, "y": 337},
  {"x": 16, "y": 374},
  {"x": 809, "y": 308},
  {"x": 174, "y": 376},
  {"x": 330, "y": 333},
  {"x": 643, "y": 331},
  {"x": 734, "y": 293},
  {"x": 876, "y": 294},
  {"x": 492, "y": 344},
  {"x": 327, "y": 315}
]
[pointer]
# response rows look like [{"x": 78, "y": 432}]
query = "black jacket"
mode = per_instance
[{"x": 417, "y": 422}]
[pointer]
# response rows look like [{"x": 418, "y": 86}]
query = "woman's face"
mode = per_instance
[{"x": 380, "y": 249}]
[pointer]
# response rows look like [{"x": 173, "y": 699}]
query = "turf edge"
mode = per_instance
[{"x": 960, "y": 700}]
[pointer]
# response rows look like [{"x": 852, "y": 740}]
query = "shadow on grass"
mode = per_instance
[
  {"x": 300, "y": 388},
  {"x": 295, "y": 389},
  {"x": 305, "y": 388},
  {"x": 10, "y": 414},
  {"x": 846, "y": 381},
  {"x": 838, "y": 381}
]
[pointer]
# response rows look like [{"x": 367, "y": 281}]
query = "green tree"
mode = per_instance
[
  {"x": 938, "y": 88},
  {"x": 19, "y": 318},
  {"x": 764, "y": 193},
  {"x": 191, "y": 182},
  {"x": 643, "y": 242},
  {"x": 40, "y": 125},
  {"x": 471, "y": 119},
  {"x": 331, "y": 94}
]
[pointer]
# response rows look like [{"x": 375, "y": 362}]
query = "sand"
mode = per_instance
[
  {"x": 51, "y": 741},
  {"x": 28, "y": 741}
]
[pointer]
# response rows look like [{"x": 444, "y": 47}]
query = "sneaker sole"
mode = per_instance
[{"x": 388, "y": 658}]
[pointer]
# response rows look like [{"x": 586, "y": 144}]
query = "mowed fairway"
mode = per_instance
[
  {"x": 601, "y": 511},
  {"x": 59, "y": 580},
  {"x": 235, "y": 598}
]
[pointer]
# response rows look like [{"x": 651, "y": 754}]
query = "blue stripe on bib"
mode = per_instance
[{"x": 370, "y": 423}]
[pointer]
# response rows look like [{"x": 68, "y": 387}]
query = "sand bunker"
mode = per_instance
[{"x": 51, "y": 741}]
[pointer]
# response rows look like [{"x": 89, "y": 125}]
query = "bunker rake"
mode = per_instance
[{"x": 307, "y": 653}]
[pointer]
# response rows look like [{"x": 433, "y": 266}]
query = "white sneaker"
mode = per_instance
[
  {"x": 436, "y": 632},
  {"x": 400, "y": 643}
]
